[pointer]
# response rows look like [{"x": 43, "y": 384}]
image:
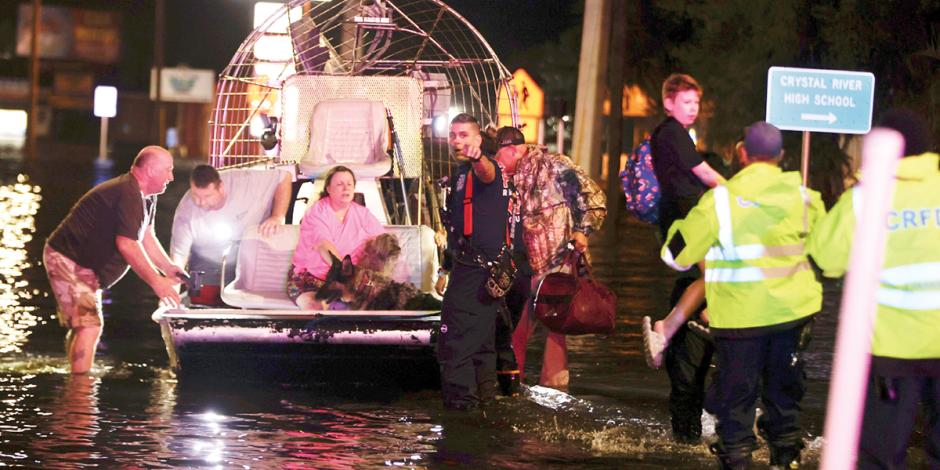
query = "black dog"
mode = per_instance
[{"x": 366, "y": 289}]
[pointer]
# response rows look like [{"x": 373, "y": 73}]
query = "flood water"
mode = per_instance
[{"x": 132, "y": 412}]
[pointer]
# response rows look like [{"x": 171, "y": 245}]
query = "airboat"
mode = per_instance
[{"x": 368, "y": 84}]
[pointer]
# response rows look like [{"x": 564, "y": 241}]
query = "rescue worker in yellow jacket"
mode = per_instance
[
  {"x": 761, "y": 293},
  {"x": 905, "y": 365}
]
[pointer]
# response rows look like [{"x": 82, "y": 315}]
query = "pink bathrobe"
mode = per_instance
[{"x": 320, "y": 223}]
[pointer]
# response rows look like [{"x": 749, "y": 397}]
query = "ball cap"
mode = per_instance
[
  {"x": 509, "y": 136},
  {"x": 764, "y": 139}
]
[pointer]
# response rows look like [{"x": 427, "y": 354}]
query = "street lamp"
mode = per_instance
[{"x": 105, "y": 107}]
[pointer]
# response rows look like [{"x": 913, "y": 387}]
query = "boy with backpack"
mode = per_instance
[{"x": 683, "y": 176}]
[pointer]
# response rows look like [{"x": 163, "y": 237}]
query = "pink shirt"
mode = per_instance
[{"x": 320, "y": 223}]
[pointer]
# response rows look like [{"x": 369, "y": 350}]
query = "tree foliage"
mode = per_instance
[{"x": 728, "y": 46}]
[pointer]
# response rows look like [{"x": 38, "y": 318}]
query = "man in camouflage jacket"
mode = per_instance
[{"x": 559, "y": 203}]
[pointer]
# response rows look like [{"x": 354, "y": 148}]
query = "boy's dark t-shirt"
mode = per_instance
[
  {"x": 674, "y": 156},
  {"x": 87, "y": 234}
]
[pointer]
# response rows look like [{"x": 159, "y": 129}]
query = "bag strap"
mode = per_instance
[{"x": 578, "y": 261}]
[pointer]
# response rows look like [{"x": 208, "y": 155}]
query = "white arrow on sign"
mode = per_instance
[{"x": 818, "y": 117}]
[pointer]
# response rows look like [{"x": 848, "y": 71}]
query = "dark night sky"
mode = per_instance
[{"x": 206, "y": 33}]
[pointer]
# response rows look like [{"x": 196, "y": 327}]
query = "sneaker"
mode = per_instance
[{"x": 654, "y": 345}]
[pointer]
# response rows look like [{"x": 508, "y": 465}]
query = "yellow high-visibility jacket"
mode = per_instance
[
  {"x": 907, "y": 325},
  {"x": 751, "y": 232}
]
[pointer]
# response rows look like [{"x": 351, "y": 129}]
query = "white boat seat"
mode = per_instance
[
  {"x": 263, "y": 263},
  {"x": 261, "y": 270},
  {"x": 352, "y": 133}
]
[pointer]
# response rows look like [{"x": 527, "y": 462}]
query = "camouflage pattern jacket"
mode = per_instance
[{"x": 557, "y": 199}]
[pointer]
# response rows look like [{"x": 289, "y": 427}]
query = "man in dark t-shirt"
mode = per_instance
[
  {"x": 466, "y": 344},
  {"x": 683, "y": 177},
  {"x": 108, "y": 230}
]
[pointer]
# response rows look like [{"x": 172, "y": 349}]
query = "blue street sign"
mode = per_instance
[{"x": 817, "y": 100}]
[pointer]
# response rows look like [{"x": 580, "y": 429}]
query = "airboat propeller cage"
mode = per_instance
[{"x": 418, "y": 58}]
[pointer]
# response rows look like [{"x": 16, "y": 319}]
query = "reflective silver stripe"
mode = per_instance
[
  {"x": 723, "y": 211},
  {"x": 920, "y": 273},
  {"x": 857, "y": 202},
  {"x": 912, "y": 276},
  {"x": 667, "y": 258},
  {"x": 745, "y": 252},
  {"x": 752, "y": 274},
  {"x": 909, "y": 300}
]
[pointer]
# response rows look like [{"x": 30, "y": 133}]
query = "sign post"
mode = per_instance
[
  {"x": 811, "y": 100},
  {"x": 816, "y": 100},
  {"x": 105, "y": 107}
]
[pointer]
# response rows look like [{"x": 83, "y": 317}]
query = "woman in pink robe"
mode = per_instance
[{"x": 335, "y": 224}]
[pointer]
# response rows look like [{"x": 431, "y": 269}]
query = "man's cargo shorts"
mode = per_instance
[{"x": 76, "y": 290}]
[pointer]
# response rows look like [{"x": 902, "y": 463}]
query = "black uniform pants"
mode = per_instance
[
  {"x": 688, "y": 359},
  {"x": 467, "y": 356},
  {"x": 891, "y": 407},
  {"x": 769, "y": 367}
]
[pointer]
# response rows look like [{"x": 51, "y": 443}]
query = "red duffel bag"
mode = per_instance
[{"x": 575, "y": 304}]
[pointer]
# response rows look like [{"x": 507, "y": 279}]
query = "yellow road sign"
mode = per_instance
[{"x": 530, "y": 101}]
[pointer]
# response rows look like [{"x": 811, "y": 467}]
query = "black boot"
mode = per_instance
[
  {"x": 685, "y": 431},
  {"x": 510, "y": 383},
  {"x": 732, "y": 459},
  {"x": 784, "y": 450},
  {"x": 785, "y": 457}
]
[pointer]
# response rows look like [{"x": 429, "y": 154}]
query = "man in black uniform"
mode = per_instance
[{"x": 477, "y": 207}]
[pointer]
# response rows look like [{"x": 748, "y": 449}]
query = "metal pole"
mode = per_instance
[
  {"x": 804, "y": 163},
  {"x": 103, "y": 142},
  {"x": 33, "y": 81},
  {"x": 399, "y": 158},
  {"x": 845, "y": 408},
  {"x": 158, "y": 35},
  {"x": 615, "y": 82},
  {"x": 560, "y": 138}
]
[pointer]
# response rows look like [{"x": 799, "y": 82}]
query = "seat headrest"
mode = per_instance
[{"x": 353, "y": 133}]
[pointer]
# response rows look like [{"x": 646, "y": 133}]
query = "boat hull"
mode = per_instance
[{"x": 216, "y": 339}]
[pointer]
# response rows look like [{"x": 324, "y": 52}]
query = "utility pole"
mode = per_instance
[
  {"x": 592, "y": 81},
  {"x": 615, "y": 79},
  {"x": 31, "y": 117},
  {"x": 158, "y": 35}
]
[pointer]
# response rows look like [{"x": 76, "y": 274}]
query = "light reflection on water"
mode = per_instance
[{"x": 19, "y": 203}]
